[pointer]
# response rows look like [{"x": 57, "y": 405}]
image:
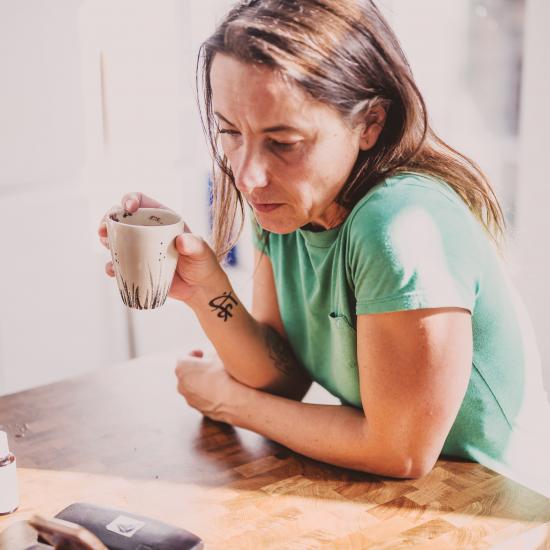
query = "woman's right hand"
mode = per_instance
[{"x": 197, "y": 268}]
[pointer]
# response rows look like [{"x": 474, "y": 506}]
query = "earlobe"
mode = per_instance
[
  {"x": 372, "y": 127},
  {"x": 369, "y": 137}
]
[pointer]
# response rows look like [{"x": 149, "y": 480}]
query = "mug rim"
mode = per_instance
[{"x": 150, "y": 209}]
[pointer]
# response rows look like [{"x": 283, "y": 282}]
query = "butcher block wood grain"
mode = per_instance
[{"x": 122, "y": 437}]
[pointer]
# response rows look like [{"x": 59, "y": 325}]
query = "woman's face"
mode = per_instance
[{"x": 290, "y": 154}]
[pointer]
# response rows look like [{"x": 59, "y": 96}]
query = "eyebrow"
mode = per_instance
[{"x": 271, "y": 129}]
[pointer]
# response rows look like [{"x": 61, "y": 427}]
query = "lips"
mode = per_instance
[{"x": 265, "y": 207}]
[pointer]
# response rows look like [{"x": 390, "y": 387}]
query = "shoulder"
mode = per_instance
[
  {"x": 413, "y": 243},
  {"x": 398, "y": 194},
  {"x": 410, "y": 207}
]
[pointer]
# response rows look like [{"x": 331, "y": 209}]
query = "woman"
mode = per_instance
[{"x": 378, "y": 249}]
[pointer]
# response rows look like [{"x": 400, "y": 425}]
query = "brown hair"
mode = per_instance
[{"x": 342, "y": 53}]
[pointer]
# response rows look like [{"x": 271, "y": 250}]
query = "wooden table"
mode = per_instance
[{"x": 123, "y": 437}]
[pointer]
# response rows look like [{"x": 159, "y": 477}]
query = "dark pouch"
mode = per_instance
[{"x": 120, "y": 530}]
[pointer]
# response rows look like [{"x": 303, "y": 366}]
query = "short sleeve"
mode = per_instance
[{"x": 413, "y": 247}]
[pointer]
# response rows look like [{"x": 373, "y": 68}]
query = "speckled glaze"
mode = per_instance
[{"x": 144, "y": 254}]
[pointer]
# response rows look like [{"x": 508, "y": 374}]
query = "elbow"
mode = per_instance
[
  {"x": 419, "y": 468},
  {"x": 415, "y": 467},
  {"x": 401, "y": 455},
  {"x": 404, "y": 467}
]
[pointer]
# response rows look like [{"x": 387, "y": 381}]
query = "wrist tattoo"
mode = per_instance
[
  {"x": 223, "y": 305},
  {"x": 280, "y": 351}
]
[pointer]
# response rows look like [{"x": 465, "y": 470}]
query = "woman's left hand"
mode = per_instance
[{"x": 206, "y": 385}]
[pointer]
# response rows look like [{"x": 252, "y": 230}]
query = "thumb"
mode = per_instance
[{"x": 191, "y": 245}]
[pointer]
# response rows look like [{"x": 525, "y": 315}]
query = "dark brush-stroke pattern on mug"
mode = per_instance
[
  {"x": 131, "y": 297},
  {"x": 114, "y": 215}
]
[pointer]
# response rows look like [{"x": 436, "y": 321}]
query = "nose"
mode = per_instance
[{"x": 250, "y": 172}]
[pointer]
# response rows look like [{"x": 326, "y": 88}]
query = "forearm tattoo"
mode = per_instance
[
  {"x": 280, "y": 351},
  {"x": 223, "y": 305}
]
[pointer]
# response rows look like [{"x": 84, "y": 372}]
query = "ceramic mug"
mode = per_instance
[{"x": 144, "y": 254}]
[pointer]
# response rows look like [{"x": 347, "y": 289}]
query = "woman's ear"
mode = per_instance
[{"x": 372, "y": 127}]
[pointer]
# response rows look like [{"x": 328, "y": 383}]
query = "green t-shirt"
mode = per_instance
[{"x": 410, "y": 243}]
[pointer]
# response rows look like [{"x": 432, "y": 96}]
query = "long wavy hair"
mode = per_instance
[{"x": 344, "y": 54}]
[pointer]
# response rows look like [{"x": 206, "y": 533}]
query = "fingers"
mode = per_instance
[
  {"x": 132, "y": 204},
  {"x": 132, "y": 201},
  {"x": 109, "y": 269},
  {"x": 102, "y": 229},
  {"x": 184, "y": 363},
  {"x": 179, "y": 368}
]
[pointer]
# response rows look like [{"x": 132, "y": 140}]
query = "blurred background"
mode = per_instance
[{"x": 97, "y": 99}]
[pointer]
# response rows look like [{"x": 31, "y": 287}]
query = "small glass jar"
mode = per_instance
[{"x": 9, "y": 494}]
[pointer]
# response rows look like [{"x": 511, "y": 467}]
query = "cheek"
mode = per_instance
[
  {"x": 297, "y": 185},
  {"x": 335, "y": 164},
  {"x": 229, "y": 147},
  {"x": 314, "y": 175}
]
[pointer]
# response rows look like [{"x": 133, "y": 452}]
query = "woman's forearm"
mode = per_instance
[
  {"x": 335, "y": 434},
  {"x": 253, "y": 353}
]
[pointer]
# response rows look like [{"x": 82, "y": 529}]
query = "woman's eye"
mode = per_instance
[
  {"x": 279, "y": 146},
  {"x": 285, "y": 146},
  {"x": 229, "y": 132}
]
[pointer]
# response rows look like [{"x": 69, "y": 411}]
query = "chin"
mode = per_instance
[{"x": 274, "y": 225}]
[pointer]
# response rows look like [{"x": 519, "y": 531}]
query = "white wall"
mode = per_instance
[
  {"x": 533, "y": 222},
  {"x": 55, "y": 320},
  {"x": 41, "y": 118},
  {"x": 97, "y": 99}
]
